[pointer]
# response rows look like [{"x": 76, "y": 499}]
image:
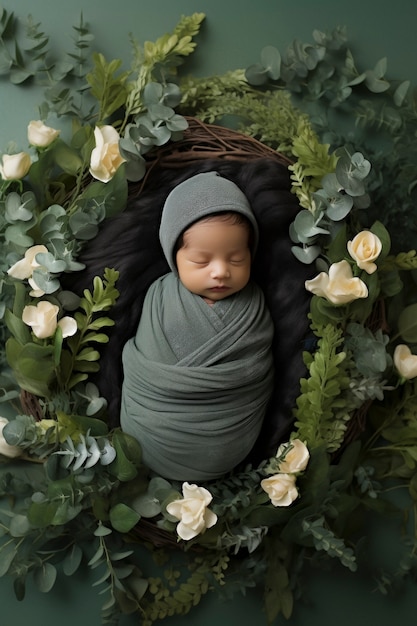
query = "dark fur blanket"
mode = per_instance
[{"x": 130, "y": 244}]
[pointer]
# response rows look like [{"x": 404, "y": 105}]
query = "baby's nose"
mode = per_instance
[{"x": 219, "y": 269}]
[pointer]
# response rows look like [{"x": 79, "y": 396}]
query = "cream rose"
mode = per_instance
[
  {"x": 105, "y": 158},
  {"x": 281, "y": 489},
  {"x": 42, "y": 318},
  {"x": 338, "y": 286},
  {"x": 365, "y": 248},
  {"x": 24, "y": 268},
  {"x": 5, "y": 449},
  {"x": 40, "y": 135},
  {"x": 192, "y": 511},
  {"x": 15, "y": 166},
  {"x": 296, "y": 458},
  {"x": 405, "y": 361}
]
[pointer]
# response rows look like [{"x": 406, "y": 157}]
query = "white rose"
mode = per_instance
[
  {"x": 281, "y": 489},
  {"x": 338, "y": 286},
  {"x": 42, "y": 318},
  {"x": 24, "y": 268},
  {"x": 365, "y": 248},
  {"x": 41, "y": 136},
  {"x": 15, "y": 166},
  {"x": 192, "y": 511},
  {"x": 105, "y": 158},
  {"x": 296, "y": 458},
  {"x": 5, "y": 449},
  {"x": 405, "y": 361}
]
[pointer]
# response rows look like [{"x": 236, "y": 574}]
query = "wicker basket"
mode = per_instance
[{"x": 200, "y": 142}]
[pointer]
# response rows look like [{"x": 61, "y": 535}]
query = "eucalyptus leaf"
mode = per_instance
[
  {"x": 19, "y": 526},
  {"x": 306, "y": 254},
  {"x": 48, "y": 260},
  {"x": 72, "y": 560},
  {"x": 339, "y": 207},
  {"x": 147, "y": 505},
  {"x": 271, "y": 60},
  {"x": 123, "y": 518},
  {"x": 83, "y": 226},
  {"x": 8, "y": 554},
  {"x": 6, "y": 62},
  {"x": 306, "y": 226},
  {"x": 45, "y": 577},
  {"x": 19, "y": 75},
  {"x": 401, "y": 92},
  {"x": 45, "y": 281},
  {"x": 256, "y": 75},
  {"x": 16, "y": 235}
]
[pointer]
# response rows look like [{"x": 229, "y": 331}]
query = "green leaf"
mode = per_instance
[
  {"x": 67, "y": 158},
  {"x": 45, "y": 577},
  {"x": 306, "y": 254},
  {"x": 72, "y": 560},
  {"x": 123, "y": 518},
  {"x": 401, "y": 92},
  {"x": 407, "y": 324},
  {"x": 17, "y": 327},
  {"x": 41, "y": 514},
  {"x": 382, "y": 233},
  {"x": 128, "y": 456},
  {"x": 147, "y": 505},
  {"x": 7, "y": 554},
  {"x": 271, "y": 60},
  {"x": 33, "y": 366}
]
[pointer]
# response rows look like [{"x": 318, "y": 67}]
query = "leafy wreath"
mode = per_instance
[{"x": 76, "y": 490}]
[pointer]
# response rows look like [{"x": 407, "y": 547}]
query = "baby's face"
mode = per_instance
[{"x": 215, "y": 260}]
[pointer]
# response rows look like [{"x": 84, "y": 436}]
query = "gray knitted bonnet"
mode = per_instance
[{"x": 195, "y": 198}]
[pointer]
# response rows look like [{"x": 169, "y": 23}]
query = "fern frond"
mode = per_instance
[{"x": 320, "y": 403}]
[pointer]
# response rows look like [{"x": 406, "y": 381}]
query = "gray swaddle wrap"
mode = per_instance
[{"x": 197, "y": 378}]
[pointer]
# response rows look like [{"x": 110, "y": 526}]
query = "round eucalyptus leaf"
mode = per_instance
[
  {"x": 159, "y": 112},
  {"x": 123, "y": 518},
  {"x": 305, "y": 225},
  {"x": 19, "y": 526},
  {"x": 147, "y": 505},
  {"x": 45, "y": 281},
  {"x": 14, "y": 234},
  {"x": 152, "y": 93},
  {"x": 53, "y": 265},
  {"x": 306, "y": 255},
  {"x": 177, "y": 122},
  {"x": 45, "y": 577},
  {"x": 256, "y": 75},
  {"x": 14, "y": 432},
  {"x": 69, "y": 300},
  {"x": 271, "y": 60},
  {"x": 83, "y": 226},
  {"x": 172, "y": 95},
  {"x": 339, "y": 207}
]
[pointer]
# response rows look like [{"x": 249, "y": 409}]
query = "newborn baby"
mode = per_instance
[{"x": 198, "y": 374}]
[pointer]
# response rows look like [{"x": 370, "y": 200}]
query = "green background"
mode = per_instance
[{"x": 233, "y": 34}]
